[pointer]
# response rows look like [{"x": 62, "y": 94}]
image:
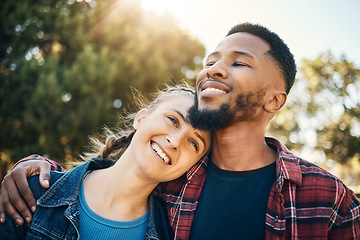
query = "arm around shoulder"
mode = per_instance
[
  {"x": 15, "y": 188},
  {"x": 53, "y": 165},
  {"x": 10, "y": 229}
]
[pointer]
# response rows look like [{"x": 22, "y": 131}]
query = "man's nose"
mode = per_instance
[{"x": 218, "y": 70}]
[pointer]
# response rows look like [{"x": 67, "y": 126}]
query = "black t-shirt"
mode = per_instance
[{"x": 233, "y": 204}]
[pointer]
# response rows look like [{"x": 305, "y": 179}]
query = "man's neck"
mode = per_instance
[{"x": 241, "y": 147}]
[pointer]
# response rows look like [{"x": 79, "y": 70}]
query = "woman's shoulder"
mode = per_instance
[{"x": 35, "y": 186}]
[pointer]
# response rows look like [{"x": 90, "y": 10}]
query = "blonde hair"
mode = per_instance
[{"x": 117, "y": 141}]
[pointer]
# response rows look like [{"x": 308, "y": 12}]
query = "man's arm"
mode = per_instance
[{"x": 15, "y": 195}]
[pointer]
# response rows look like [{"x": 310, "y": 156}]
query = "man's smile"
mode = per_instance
[{"x": 213, "y": 87}]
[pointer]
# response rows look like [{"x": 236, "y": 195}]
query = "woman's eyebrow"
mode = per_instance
[
  {"x": 201, "y": 138},
  {"x": 181, "y": 115}
]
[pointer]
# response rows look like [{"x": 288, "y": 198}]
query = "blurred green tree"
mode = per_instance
[
  {"x": 66, "y": 68},
  {"x": 325, "y": 104}
]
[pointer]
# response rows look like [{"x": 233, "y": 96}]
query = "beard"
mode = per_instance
[{"x": 212, "y": 120}]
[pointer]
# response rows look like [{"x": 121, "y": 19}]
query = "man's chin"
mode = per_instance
[
  {"x": 205, "y": 106},
  {"x": 207, "y": 109},
  {"x": 210, "y": 119}
]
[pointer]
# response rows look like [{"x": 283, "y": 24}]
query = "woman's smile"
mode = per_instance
[{"x": 161, "y": 153}]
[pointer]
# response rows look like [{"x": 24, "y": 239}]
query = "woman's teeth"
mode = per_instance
[{"x": 159, "y": 152}]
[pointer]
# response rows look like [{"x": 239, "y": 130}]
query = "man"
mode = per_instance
[{"x": 251, "y": 187}]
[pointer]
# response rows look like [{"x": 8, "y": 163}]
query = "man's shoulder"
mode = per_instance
[
  {"x": 312, "y": 172},
  {"x": 320, "y": 183},
  {"x": 293, "y": 163},
  {"x": 306, "y": 174}
]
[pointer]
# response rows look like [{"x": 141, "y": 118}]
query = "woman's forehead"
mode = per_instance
[{"x": 181, "y": 103}]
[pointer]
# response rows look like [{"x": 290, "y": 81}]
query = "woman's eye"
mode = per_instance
[
  {"x": 174, "y": 121},
  {"x": 195, "y": 145}
]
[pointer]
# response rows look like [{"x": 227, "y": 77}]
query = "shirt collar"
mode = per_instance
[
  {"x": 65, "y": 190},
  {"x": 198, "y": 169},
  {"x": 287, "y": 164}
]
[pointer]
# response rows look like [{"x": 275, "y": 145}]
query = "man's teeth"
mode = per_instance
[
  {"x": 159, "y": 152},
  {"x": 213, "y": 89}
]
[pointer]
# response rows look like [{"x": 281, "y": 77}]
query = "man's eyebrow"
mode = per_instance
[
  {"x": 246, "y": 54},
  {"x": 242, "y": 53},
  {"x": 213, "y": 54},
  {"x": 187, "y": 121}
]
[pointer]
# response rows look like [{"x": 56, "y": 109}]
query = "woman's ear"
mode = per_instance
[
  {"x": 140, "y": 115},
  {"x": 277, "y": 101}
]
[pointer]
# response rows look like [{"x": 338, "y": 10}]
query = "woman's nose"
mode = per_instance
[{"x": 174, "y": 140}]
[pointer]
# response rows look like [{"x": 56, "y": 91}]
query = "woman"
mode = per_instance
[{"x": 103, "y": 200}]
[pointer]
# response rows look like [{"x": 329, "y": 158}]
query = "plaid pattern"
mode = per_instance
[
  {"x": 181, "y": 197},
  {"x": 306, "y": 202}
]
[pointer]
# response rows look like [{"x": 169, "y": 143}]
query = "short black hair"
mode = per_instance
[{"x": 278, "y": 49}]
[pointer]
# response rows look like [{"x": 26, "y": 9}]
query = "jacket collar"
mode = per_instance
[{"x": 65, "y": 190}]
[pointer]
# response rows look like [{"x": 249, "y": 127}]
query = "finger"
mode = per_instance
[
  {"x": 15, "y": 215},
  {"x": 13, "y": 202},
  {"x": 44, "y": 168},
  {"x": 23, "y": 186},
  {"x": 2, "y": 213},
  {"x": 2, "y": 216},
  {"x": 9, "y": 207}
]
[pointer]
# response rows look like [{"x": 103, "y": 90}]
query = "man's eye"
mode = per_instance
[
  {"x": 209, "y": 64},
  {"x": 195, "y": 145},
  {"x": 239, "y": 64},
  {"x": 174, "y": 121}
]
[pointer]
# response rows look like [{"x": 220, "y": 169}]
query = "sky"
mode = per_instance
[{"x": 309, "y": 27}]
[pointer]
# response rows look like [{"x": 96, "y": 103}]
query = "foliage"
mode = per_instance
[
  {"x": 66, "y": 66},
  {"x": 325, "y": 103},
  {"x": 334, "y": 89}
]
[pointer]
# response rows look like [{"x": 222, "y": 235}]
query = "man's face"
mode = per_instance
[{"x": 232, "y": 86}]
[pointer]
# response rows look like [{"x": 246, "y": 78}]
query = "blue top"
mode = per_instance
[
  {"x": 91, "y": 224},
  {"x": 57, "y": 211},
  {"x": 233, "y": 204}
]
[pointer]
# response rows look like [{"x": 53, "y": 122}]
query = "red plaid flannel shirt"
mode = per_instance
[{"x": 306, "y": 202}]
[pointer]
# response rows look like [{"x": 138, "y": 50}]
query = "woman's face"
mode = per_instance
[{"x": 165, "y": 144}]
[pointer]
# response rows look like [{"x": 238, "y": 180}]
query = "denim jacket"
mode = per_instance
[{"x": 57, "y": 211}]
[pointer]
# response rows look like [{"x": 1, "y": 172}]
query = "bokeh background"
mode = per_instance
[{"x": 68, "y": 68}]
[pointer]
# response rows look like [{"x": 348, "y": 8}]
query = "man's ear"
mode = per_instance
[
  {"x": 276, "y": 102},
  {"x": 140, "y": 115}
]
